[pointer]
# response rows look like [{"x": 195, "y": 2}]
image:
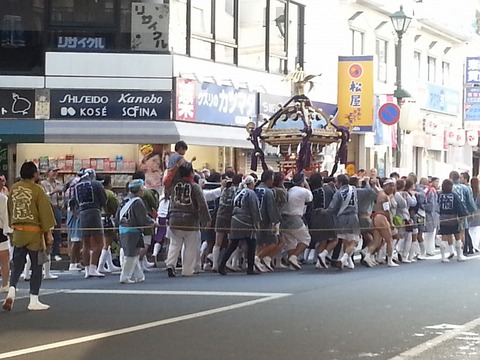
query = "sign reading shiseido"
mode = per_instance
[
  {"x": 110, "y": 105},
  {"x": 17, "y": 104}
]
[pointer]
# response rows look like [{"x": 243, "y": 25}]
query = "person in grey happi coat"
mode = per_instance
[
  {"x": 266, "y": 238},
  {"x": 344, "y": 207},
  {"x": 132, "y": 216},
  {"x": 245, "y": 220}
]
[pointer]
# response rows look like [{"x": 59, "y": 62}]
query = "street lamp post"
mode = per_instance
[{"x": 400, "y": 22}]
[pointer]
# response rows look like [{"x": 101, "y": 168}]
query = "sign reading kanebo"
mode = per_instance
[{"x": 110, "y": 105}]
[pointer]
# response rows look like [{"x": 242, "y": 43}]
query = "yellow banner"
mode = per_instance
[{"x": 355, "y": 93}]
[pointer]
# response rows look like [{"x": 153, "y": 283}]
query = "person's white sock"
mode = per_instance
[
  {"x": 215, "y": 257},
  {"x": 36, "y": 305},
  {"x": 109, "y": 261},
  {"x": 102, "y": 261},
  {"x": 156, "y": 249},
  {"x": 46, "y": 269}
]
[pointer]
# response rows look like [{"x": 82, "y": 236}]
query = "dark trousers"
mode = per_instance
[
  {"x": 19, "y": 260},
  {"x": 233, "y": 244},
  {"x": 468, "y": 248},
  {"x": 57, "y": 234}
]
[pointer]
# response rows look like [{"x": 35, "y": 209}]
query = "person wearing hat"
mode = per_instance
[
  {"x": 31, "y": 218},
  {"x": 294, "y": 229},
  {"x": 133, "y": 218},
  {"x": 54, "y": 190},
  {"x": 188, "y": 213},
  {"x": 245, "y": 220},
  {"x": 90, "y": 198}
]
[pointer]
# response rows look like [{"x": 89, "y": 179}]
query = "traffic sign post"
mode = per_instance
[{"x": 389, "y": 114}]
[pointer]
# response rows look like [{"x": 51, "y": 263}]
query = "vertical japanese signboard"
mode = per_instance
[
  {"x": 149, "y": 27},
  {"x": 472, "y": 71},
  {"x": 355, "y": 93}
]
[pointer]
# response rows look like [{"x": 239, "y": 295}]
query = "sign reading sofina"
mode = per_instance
[
  {"x": 355, "y": 93},
  {"x": 110, "y": 105},
  {"x": 214, "y": 104}
]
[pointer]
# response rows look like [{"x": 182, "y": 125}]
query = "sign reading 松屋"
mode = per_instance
[{"x": 355, "y": 93}]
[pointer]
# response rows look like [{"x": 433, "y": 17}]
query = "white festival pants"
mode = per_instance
[{"x": 187, "y": 239}]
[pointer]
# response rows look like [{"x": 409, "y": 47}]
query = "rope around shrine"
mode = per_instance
[{"x": 194, "y": 228}]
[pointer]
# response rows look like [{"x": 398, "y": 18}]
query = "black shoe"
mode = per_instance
[
  {"x": 171, "y": 272},
  {"x": 222, "y": 270}
]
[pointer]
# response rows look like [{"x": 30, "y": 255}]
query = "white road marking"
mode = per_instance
[
  {"x": 264, "y": 297},
  {"x": 192, "y": 293},
  {"x": 419, "y": 349}
]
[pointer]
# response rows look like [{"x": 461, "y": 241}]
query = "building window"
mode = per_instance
[
  {"x": 252, "y": 33},
  {"x": 358, "y": 39},
  {"x": 445, "y": 73},
  {"x": 295, "y": 36},
  {"x": 417, "y": 67},
  {"x": 431, "y": 69},
  {"x": 21, "y": 36},
  {"x": 178, "y": 16},
  {"x": 381, "y": 50},
  {"x": 82, "y": 12},
  {"x": 225, "y": 32},
  {"x": 278, "y": 36}
]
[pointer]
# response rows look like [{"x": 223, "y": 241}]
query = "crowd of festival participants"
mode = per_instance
[{"x": 241, "y": 223}]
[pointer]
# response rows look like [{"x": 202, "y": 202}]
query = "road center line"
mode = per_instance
[
  {"x": 141, "y": 327},
  {"x": 419, "y": 349}
]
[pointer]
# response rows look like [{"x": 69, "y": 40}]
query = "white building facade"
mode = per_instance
[{"x": 434, "y": 50}]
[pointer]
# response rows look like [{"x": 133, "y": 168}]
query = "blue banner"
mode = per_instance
[{"x": 443, "y": 99}]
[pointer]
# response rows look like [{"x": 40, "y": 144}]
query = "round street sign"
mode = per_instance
[{"x": 389, "y": 114}]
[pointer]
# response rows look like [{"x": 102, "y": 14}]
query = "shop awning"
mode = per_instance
[
  {"x": 21, "y": 131},
  {"x": 140, "y": 132}
]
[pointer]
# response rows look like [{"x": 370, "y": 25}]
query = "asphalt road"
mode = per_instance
[{"x": 427, "y": 310}]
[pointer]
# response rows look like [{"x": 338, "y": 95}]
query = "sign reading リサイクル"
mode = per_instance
[{"x": 355, "y": 93}]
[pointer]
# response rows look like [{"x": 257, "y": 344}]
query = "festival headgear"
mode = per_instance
[
  {"x": 89, "y": 173},
  {"x": 389, "y": 181},
  {"x": 146, "y": 149},
  {"x": 298, "y": 179},
  {"x": 248, "y": 179},
  {"x": 135, "y": 184}
]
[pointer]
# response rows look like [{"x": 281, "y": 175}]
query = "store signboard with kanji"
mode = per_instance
[
  {"x": 355, "y": 93},
  {"x": 472, "y": 70},
  {"x": 214, "y": 104}
]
